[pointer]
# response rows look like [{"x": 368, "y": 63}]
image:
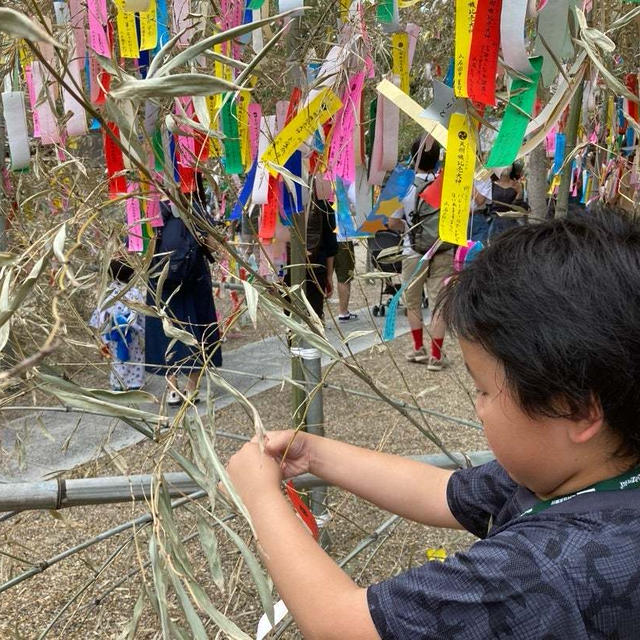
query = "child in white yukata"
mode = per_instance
[{"x": 122, "y": 330}]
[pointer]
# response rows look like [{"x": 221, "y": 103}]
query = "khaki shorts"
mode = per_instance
[
  {"x": 344, "y": 263},
  {"x": 433, "y": 273}
]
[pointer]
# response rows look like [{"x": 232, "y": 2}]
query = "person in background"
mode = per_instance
[
  {"x": 187, "y": 302},
  {"x": 431, "y": 273},
  {"x": 345, "y": 264},
  {"x": 122, "y": 328},
  {"x": 506, "y": 190}
]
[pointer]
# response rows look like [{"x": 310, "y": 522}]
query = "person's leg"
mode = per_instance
[
  {"x": 440, "y": 268},
  {"x": 344, "y": 268},
  {"x": 315, "y": 285},
  {"x": 193, "y": 382},
  {"x": 413, "y": 304}
]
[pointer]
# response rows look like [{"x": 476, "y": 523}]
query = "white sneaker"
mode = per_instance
[
  {"x": 174, "y": 399},
  {"x": 419, "y": 356},
  {"x": 435, "y": 364}
]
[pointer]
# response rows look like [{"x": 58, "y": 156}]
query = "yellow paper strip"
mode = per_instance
[
  {"x": 242, "y": 109},
  {"x": 457, "y": 182},
  {"x": 127, "y": 36},
  {"x": 214, "y": 103},
  {"x": 148, "y": 27},
  {"x": 413, "y": 110},
  {"x": 308, "y": 119},
  {"x": 400, "y": 58},
  {"x": 465, "y": 16}
]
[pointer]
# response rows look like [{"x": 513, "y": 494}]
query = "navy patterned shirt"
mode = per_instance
[{"x": 567, "y": 573}]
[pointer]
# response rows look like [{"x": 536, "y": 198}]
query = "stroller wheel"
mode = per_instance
[
  {"x": 375, "y": 310},
  {"x": 383, "y": 311}
]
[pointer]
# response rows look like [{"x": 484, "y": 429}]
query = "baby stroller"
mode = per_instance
[{"x": 386, "y": 239}]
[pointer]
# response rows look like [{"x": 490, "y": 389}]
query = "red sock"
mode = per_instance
[
  {"x": 418, "y": 342},
  {"x": 436, "y": 348}
]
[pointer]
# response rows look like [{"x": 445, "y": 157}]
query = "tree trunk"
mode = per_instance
[{"x": 537, "y": 182}]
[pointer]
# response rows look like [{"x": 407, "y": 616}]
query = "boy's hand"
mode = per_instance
[
  {"x": 290, "y": 448},
  {"x": 253, "y": 472}
]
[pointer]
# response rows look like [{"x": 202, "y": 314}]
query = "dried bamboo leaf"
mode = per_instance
[
  {"x": 209, "y": 544},
  {"x": 160, "y": 584},
  {"x": 178, "y": 334},
  {"x": 251, "y": 299},
  {"x": 18, "y": 25},
  {"x": 197, "y": 628},
  {"x": 260, "y": 579},
  {"x": 23, "y": 290},
  {"x": 4, "y": 307},
  {"x": 58, "y": 244},
  {"x": 175, "y": 86},
  {"x": 358, "y": 334},
  {"x": 208, "y": 43}
]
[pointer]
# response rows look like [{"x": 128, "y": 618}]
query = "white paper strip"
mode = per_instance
[
  {"x": 514, "y": 49},
  {"x": 260, "y": 193},
  {"x": 287, "y": 5},
  {"x": 15, "y": 117},
  {"x": 77, "y": 123}
]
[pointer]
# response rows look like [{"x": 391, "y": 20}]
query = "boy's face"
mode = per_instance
[{"x": 533, "y": 450}]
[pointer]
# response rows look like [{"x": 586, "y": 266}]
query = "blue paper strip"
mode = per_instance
[{"x": 245, "y": 194}]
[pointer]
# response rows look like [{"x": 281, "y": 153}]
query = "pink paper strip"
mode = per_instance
[
  {"x": 341, "y": 153},
  {"x": 77, "y": 123},
  {"x": 180, "y": 20},
  {"x": 78, "y": 13},
  {"x": 255, "y": 113},
  {"x": 133, "y": 219},
  {"x": 281, "y": 114},
  {"x": 49, "y": 133},
  {"x": 414, "y": 31},
  {"x": 97, "y": 11}
]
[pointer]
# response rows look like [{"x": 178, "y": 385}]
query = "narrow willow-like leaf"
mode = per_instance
[
  {"x": 358, "y": 334},
  {"x": 58, "y": 244},
  {"x": 197, "y": 628},
  {"x": 178, "y": 334},
  {"x": 4, "y": 306},
  {"x": 262, "y": 584}
]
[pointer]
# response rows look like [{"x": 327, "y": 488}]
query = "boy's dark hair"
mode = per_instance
[
  {"x": 428, "y": 159},
  {"x": 120, "y": 270},
  {"x": 558, "y": 305}
]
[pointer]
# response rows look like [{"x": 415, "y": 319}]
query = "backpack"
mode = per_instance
[
  {"x": 424, "y": 222},
  {"x": 183, "y": 249}
]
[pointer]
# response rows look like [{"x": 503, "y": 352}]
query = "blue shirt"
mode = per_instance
[{"x": 569, "y": 572}]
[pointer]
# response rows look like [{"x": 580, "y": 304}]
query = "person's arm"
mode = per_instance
[{"x": 323, "y": 599}]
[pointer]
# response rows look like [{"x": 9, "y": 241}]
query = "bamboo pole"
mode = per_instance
[{"x": 60, "y": 494}]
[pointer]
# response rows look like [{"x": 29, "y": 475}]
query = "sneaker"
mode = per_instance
[
  {"x": 174, "y": 399},
  {"x": 348, "y": 316},
  {"x": 435, "y": 364},
  {"x": 420, "y": 355}
]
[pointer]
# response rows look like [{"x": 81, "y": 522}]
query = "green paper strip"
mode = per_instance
[
  {"x": 384, "y": 11},
  {"x": 254, "y": 5},
  {"x": 231, "y": 141},
  {"x": 516, "y": 118},
  {"x": 158, "y": 150},
  {"x": 373, "y": 109}
]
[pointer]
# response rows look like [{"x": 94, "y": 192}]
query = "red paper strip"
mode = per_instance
[
  {"x": 270, "y": 212},
  {"x": 114, "y": 162},
  {"x": 432, "y": 195},
  {"x": 631, "y": 80},
  {"x": 483, "y": 56},
  {"x": 302, "y": 510}
]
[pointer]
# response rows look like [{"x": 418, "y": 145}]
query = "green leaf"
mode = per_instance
[
  {"x": 197, "y": 628},
  {"x": 159, "y": 582}
]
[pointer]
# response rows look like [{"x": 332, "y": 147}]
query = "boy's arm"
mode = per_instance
[{"x": 411, "y": 489}]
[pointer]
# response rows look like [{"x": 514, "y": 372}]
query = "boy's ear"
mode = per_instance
[{"x": 581, "y": 430}]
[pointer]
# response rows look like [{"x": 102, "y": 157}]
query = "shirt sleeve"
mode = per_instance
[
  {"x": 503, "y": 587},
  {"x": 477, "y": 495}
]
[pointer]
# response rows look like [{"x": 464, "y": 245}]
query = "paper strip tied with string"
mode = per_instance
[{"x": 483, "y": 54}]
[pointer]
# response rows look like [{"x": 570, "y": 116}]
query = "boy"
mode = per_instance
[{"x": 548, "y": 320}]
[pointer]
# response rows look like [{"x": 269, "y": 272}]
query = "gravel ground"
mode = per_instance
[{"x": 28, "y": 539}]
